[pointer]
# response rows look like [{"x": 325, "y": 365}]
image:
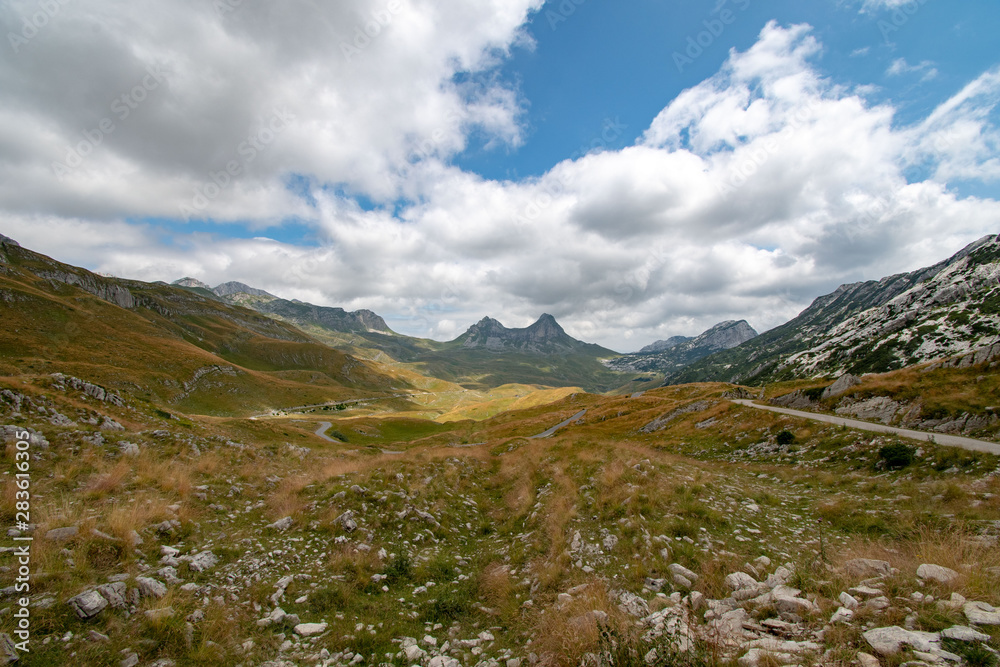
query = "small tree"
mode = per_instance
[
  {"x": 897, "y": 455},
  {"x": 786, "y": 437}
]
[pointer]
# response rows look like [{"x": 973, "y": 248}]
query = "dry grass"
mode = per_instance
[
  {"x": 105, "y": 483},
  {"x": 565, "y": 634}
]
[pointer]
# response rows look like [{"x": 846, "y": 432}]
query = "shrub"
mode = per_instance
[
  {"x": 896, "y": 455},
  {"x": 786, "y": 438}
]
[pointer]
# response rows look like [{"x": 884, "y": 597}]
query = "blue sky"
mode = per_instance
[{"x": 441, "y": 160}]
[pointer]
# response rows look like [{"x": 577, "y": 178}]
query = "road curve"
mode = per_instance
[
  {"x": 936, "y": 438},
  {"x": 321, "y": 431},
  {"x": 551, "y": 431}
]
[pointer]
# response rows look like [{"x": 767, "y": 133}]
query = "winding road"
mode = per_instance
[
  {"x": 321, "y": 431},
  {"x": 551, "y": 431},
  {"x": 935, "y": 438}
]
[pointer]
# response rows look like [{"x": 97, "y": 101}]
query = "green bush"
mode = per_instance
[
  {"x": 897, "y": 455},
  {"x": 785, "y": 438}
]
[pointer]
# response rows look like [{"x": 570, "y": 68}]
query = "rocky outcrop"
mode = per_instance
[
  {"x": 670, "y": 355},
  {"x": 545, "y": 336}
]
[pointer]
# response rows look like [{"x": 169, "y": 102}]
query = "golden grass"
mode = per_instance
[{"x": 564, "y": 635}]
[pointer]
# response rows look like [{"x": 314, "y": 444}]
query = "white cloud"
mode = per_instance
[
  {"x": 900, "y": 66},
  {"x": 748, "y": 195}
]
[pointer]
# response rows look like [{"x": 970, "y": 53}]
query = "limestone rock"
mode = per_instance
[
  {"x": 205, "y": 560},
  {"x": 739, "y": 580},
  {"x": 863, "y": 568},
  {"x": 980, "y": 613},
  {"x": 964, "y": 634},
  {"x": 843, "y": 383},
  {"x": 937, "y": 573},
  {"x": 88, "y": 604},
  {"x": 310, "y": 629},
  {"x": 149, "y": 587}
]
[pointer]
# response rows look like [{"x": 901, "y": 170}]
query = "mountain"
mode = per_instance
[
  {"x": 167, "y": 345},
  {"x": 874, "y": 326},
  {"x": 673, "y": 356},
  {"x": 487, "y": 355},
  {"x": 545, "y": 336},
  {"x": 302, "y": 315},
  {"x": 661, "y": 345}
]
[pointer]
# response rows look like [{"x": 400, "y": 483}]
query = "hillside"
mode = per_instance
[
  {"x": 671, "y": 355},
  {"x": 874, "y": 326},
  {"x": 164, "y": 344}
]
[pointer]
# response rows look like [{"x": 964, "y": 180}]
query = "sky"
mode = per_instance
[{"x": 638, "y": 168}]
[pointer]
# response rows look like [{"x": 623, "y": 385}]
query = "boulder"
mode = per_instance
[
  {"x": 114, "y": 593},
  {"x": 937, "y": 573},
  {"x": 889, "y": 641},
  {"x": 843, "y": 383},
  {"x": 62, "y": 534},
  {"x": 739, "y": 580},
  {"x": 864, "y": 568},
  {"x": 980, "y": 613},
  {"x": 964, "y": 634},
  {"x": 88, "y": 604},
  {"x": 205, "y": 560},
  {"x": 310, "y": 629},
  {"x": 150, "y": 588}
]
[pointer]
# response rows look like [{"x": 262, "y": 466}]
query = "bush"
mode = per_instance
[
  {"x": 897, "y": 455},
  {"x": 786, "y": 438}
]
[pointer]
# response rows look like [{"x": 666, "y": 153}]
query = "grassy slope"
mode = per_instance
[{"x": 151, "y": 352}]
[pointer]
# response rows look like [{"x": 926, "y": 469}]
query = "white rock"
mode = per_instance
[
  {"x": 791, "y": 605},
  {"x": 150, "y": 587},
  {"x": 964, "y": 634},
  {"x": 980, "y": 613},
  {"x": 937, "y": 573},
  {"x": 282, "y": 524},
  {"x": 677, "y": 568},
  {"x": 889, "y": 641},
  {"x": 88, "y": 604},
  {"x": 868, "y": 660},
  {"x": 842, "y": 615},
  {"x": 205, "y": 560},
  {"x": 739, "y": 580},
  {"x": 310, "y": 629},
  {"x": 863, "y": 568},
  {"x": 848, "y": 601}
]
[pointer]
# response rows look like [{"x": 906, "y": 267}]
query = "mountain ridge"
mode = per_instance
[{"x": 723, "y": 336}]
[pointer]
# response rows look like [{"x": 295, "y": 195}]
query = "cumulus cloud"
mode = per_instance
[{"x": 748, "y": 195}]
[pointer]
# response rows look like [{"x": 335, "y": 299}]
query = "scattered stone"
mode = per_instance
[
  {"x": 62, "y": 534},
  {"x": 848, "y": 601},
  {"x": 740, "y": 580},
  {"x": 282, "y": 524},
  {"x": 130, "y": 660},
  {"x": 149, "y": 587},
  {"x": 864, "y": 568},
  {"x": 205, "y": 560},
  {"x": 88, "y": 604},
  {"x": 868, "y": 660},
  {"x": 8, "y": 652},
  {"x": 937, "y": 573},
  {"x": 114, "y": 593},
  {"x": 842, "y": 615},
  {"x": 889, "y": 641},
  {"x": 964, "y": 634},
  {"x": 980, "y": 613},
  {"x": 310, "y": 629}
]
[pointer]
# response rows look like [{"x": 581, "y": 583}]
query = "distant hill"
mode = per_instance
[
  {"x": 303, "y": 315},
  {"x": 487, "y": 355},
  {"x": 675, "y": 353},
  {"x": 168, "y": 345},
  {"x": 874, "y": 326},
  {"x": 661, "y": 345}
]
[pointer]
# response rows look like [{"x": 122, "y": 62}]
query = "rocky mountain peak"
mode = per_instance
[
  {"x": 544, "y": 336},
  {"x": 233, "y": 287},
  {"x": 191, "y": 282}
]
